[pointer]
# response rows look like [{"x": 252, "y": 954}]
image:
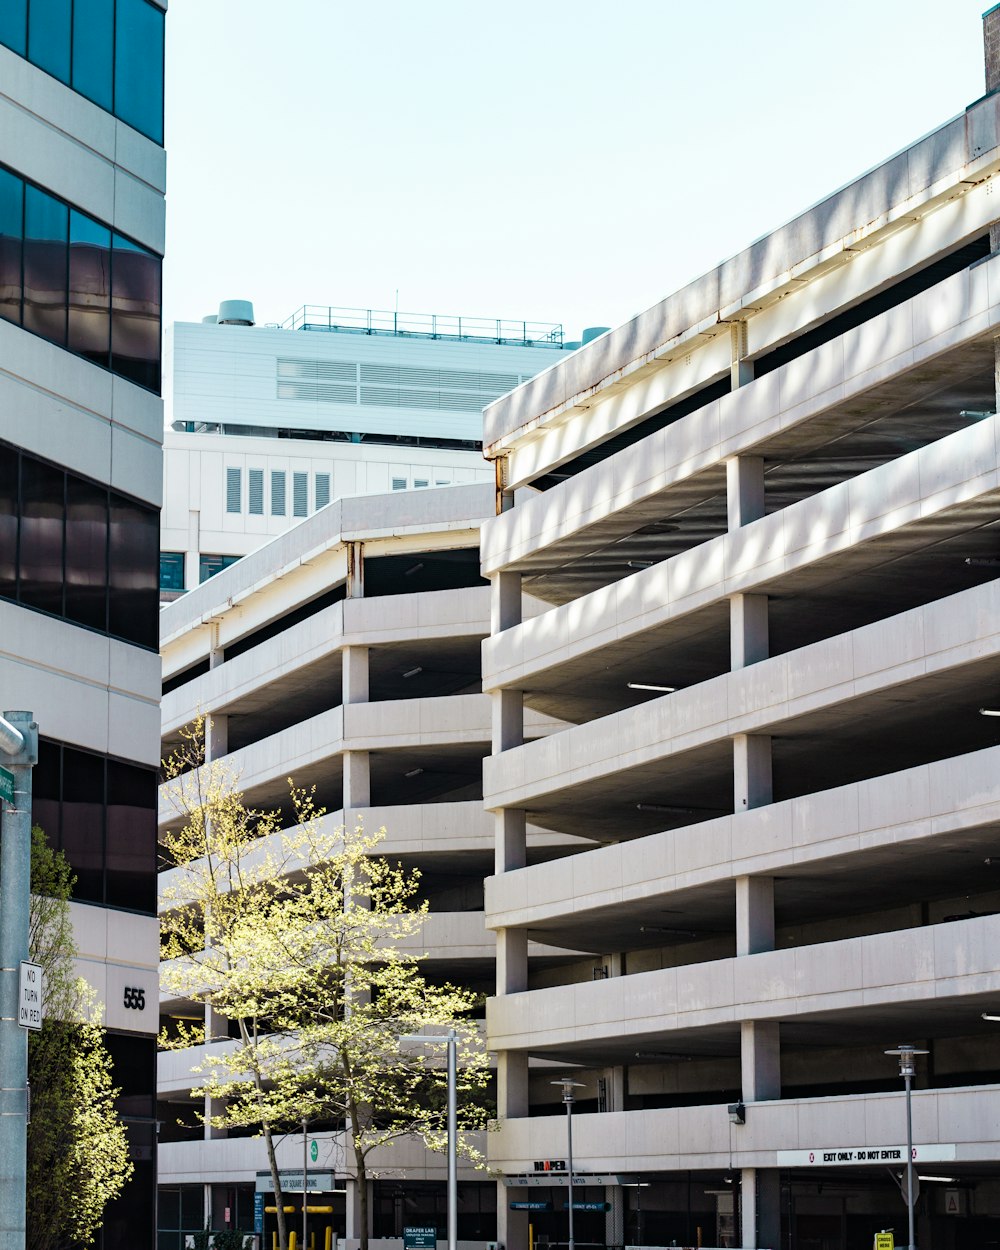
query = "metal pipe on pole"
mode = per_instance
[
  {"x": 451, "y": 1038},
  {"x": 906, "y": 1054},
  {"x": 567, "y": 1085},
  {"x": 19, "y": 742}
]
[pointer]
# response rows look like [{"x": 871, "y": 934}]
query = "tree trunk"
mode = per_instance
[
  {"x": 362, "y": 1174},
  {"x": 272, "y": 1158}
]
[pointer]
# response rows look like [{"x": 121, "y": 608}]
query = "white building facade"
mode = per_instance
[
  {"x": 346, "y": 654},
  {"x": 268, "y": 423},
  {"x": 764, "y": 520},
  {"x": 82, "y": 177}
]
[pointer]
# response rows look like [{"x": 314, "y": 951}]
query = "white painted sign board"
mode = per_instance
[
  {"x": 29, "y": 995},
  {"x": 851, "y": 1156}
]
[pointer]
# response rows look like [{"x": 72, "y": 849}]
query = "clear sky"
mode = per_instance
[{"x": 556, "y": 161}]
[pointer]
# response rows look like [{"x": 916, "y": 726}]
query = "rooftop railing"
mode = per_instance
[{"x": 425, "y": 326}]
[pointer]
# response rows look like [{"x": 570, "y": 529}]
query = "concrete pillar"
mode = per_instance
[
  {"x": 748, "y": 631},
  {"x": 216, "y": 736},
  {"x": 741, "y": 370},
  {"x": 744, "y": 490},
  {"x": 754, "y": 915},
  {"x": 991, "y": 47},
  {"x": 508, "y": 719},
  {"x": 357, "y": 780},
  {"x": 512, "y": 1084},
  {"x": 512, "y": 961},
  {"x": 354, "y": 675},
  {"x": 505, "y": 601},
  {"x": 751, "y": 771},
  {"x": 760, "y": 1209},
  {"x": 192, "y": 568},
  {"x": 352, "y": 1207},
  {"x": 207, "y": 1207},
  {"x": 760, "y": 1060},
  {"x": 512, "y": 1226},
  {"x": 356, "y": 571},
  {"x": 511, "y": 839}
]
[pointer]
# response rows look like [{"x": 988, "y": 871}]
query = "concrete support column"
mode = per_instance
[
  {"x": 512, "y": 961},
  {"x": 751, "y": 771},
  {"x": 192, "y": 568},
  {"x": 357, "y": 780},
  {"x": 512, "y": 1084},
  {"x": 354, "y": 675},
  {"x": 760, "y": 1060},
  {"x": 511, "y": 839},
  {"x": 216, "y": 736},
  {"x": 741, "y": 370},
  {"x": 744, "y": 490},
  {"x": 505, "y": 601},
  {"x": 512, "y": 1226},
  {"x": 352, "y": 1207},
  {"x": 508, "y": 719},
  {"x": 760, "y": 1209},
  {"x": 754, "y": 915},
  {"x": 356, "y": 570},
  {"x": 748, "y": 630}
]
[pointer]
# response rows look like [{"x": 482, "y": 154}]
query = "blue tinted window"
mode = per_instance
[
  {"x": 49, "y": 25},
  {"x": 171, "y": 570},
  {"x": 11, "y": 236},
  {"x": 89, "y": 288},
  {"x": 46, "y": 229},
  {"x": 139, "y": 67},
  {"x": 14, "y": 25},
  {"x": 93, "y": 49}
]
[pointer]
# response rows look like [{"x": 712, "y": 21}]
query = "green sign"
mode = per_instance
[
  {"x": 422, "y": 1237},
  {"x": 6, "y": 785},
  {"x": 531, "y": 1206},
  {"x": 314, "y": 1150}
]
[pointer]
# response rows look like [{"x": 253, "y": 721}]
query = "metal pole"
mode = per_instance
[
  {"x": 452, "y": 1140},
  {"x": 305, "y": 1185},
  {"x": 19, "y": 742},
  {"x": 569, "y": 1161},
  {"x": 909, "y": 1161}
]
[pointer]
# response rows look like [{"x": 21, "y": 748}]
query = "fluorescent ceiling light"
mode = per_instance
[
  {"x": 414, "y": 772},
  {"x": 412, "y": 672},
  {"x": 642, "y": 685},
  {"x": 989, "y": 711},
  {"x": 415, "y": 569},
  {"x": 641, "y": 564},
  {"x": 944, "y": 1180},
  {"x": 988, "y": 1016}
]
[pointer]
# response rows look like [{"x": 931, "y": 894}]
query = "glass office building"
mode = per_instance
[{"x": 82, "y": 178}]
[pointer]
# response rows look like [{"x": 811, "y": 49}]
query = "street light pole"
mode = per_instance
[
  {"x": 568, "y": 1085},
  {"x": 906, "y": 1054},
  {"x": 19, "y": 751},
  {"x": 305, "y": 1184},
  {"x": 451, "y": 1038}
]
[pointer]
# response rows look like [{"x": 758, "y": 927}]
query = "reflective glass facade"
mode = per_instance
[
  {"x": 111, "y": 51},
  {"x": 77, "y": 550},
  {"x": 77, "y": 283},
  {"x": 101, "y": 813}
]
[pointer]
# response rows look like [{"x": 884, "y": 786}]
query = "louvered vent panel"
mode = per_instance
[
  {"x": 277, "y": 492},
  {"x": 322, "y": 392},
  {"x": 234, "y": 489},
  {"x": 464, "y": 379},
  {"x": 447, "y": 401},
  {"x": 322, "y": 370},
  {"x": 255, "y": 490},
  {"x": 322, "y": 489},
  {"x": 300, "y": 494}
]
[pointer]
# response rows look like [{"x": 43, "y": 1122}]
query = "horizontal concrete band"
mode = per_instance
[
  {"x": 428, "y": 616},
  {"x": 702, "y": 1137},
  {"x": 896, "y": 193},
  {"x": 846, "y": 527},
  {"x": 395, "y": 724},
  {"x": 235, "y": 1160},
  {"x": 885, "y": 656},
  {"x": 870, "y": 821},
  {"x": 417, "y": 514},
  {"x": 681, "y": 465},
  {"x": 858, "y": 975},
  {"x": 424, "y": 830}
]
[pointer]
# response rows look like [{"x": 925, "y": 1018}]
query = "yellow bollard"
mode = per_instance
[
  {"x": 292, "y": 1239},
  {"x": 329, "y": 1238}
]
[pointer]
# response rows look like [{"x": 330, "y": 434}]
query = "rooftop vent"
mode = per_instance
[
  {"x": 591, "y": 332},
  {"x": 236, "y": 312}
]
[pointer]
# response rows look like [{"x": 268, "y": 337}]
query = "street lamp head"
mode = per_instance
[
  {"x": 567, "y": 1084},
  {"x": 906, "y": 1054}
]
